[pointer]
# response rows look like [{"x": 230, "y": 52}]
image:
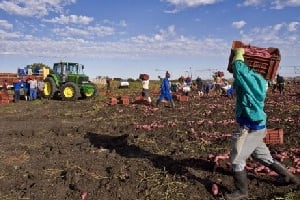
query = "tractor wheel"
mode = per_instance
[
  {"x": 49, "y": 88},
  {"x": 91, "y": 92},
  {"x": 70, "y": 91}
]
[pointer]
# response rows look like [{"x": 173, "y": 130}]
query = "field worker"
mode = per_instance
[
  {"x": 280, "y": 83},
  {"x": 5, "y": 86},
  {"x": 25, "y": 88},
  {"x": 186, "y": 86},
  {"x": 230, "y": 92},
  {"x": 199, "y": 84},
  {"x": 145, "y": 88},
  {"x": 17, "y": 88},
  {"x": 108, "y": 86},
  {"x": 33, "y": 88},
  {"x": 250, "y": 91},
  {"x": 165, "y": 91},
  {"x": 40, "y": 88}
]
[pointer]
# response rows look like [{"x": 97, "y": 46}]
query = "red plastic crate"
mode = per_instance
[
  {"x": 264, "y": 61},
  {"x": 123, "y": 97},
  {"x": 139, "y": 98},
  {"x": 144, "y": 76},
  {"x": 124, "y": 101},
  {"x": 182, "y": 98},
  {"x": 113, "y": 101},
  {"x": 4, "y": 96},
  {"x": 274, "y": 136},
  {"x": 4, "y": 101}
]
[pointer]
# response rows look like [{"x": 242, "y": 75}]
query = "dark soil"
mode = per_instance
[{"x": 51, "y": 149}]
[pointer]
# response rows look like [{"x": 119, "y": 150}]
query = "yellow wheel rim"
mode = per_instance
[
  {"x": 89, "y": 93},
  {"x": 47, "y": 88},
  {"x": 68, "y": 92}
]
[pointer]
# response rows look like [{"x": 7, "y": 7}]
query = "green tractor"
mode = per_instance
[{"x": 68, "y": 81}]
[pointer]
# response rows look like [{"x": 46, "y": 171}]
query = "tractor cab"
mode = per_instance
[
  {"x": 68, "y": 71},
  {"x": 65, "y": 68},
  {"x": 68, "y": 68}
]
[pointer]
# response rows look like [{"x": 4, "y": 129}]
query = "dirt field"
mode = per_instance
[{"x": 58, "y": 150}]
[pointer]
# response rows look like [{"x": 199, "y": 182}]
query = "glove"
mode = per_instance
[{"x": 239, "y": 54}]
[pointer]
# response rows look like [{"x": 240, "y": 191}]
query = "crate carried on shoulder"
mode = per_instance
[
  {"x": 144, "y": 76},
  {"x": 264, "y": 61}
]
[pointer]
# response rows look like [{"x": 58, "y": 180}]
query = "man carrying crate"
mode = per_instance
[{"x": 250, "y": 90}]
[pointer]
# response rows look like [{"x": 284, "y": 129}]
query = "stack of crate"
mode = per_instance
[
  {"x": 140, "y": 100},
  {"x": 113, "y": 101},
  {"x": 182, "y": 98},
  {"x": 124, "y": 100},
  {"x": 274, "y": 136},
  {"x": 4, "y": 98}
]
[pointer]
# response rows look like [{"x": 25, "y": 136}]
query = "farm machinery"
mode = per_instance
[
  {"x": 39, "y": 72},
  {"x": 67, "y": 80}
]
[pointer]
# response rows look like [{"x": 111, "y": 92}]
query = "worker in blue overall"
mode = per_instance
[
  {"x": 165, "y": 91},
  {"x": 17, "y": 88}
]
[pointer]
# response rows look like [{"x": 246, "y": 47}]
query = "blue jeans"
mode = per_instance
[
  {"x": 17, "y": 95},
  {"x": 33, "y": 93},
  {"x": 246, "y": 143},
  {"x": 166, "y": 96}
]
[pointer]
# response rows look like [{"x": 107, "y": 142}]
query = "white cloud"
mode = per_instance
[
  {"x": 5, "y": 24},
  {"x": 182, "y": 4},
  {"x": 191, "y": 3},
  {"x": 293, "y": 26},
  {"x": 79, "y": 43},
  {"x": 163, "y": 35},
  {"x": 253, "y": 2},
  {"x": 163, "y": 43},
  {"x": 279, "y": 4},
  {"x": 238, "y": 24},
  {"x": 277, "y": 35},
  {"x": 274, "y": 4},
  {"x": 274, "y": 36},
  {"x": 31, "y": 8},
  {"x": 86, "y": 32},
  {"x": 75, "y": 19},
  {"x": 121, "y": 23},
  {"x": 169, "y": 32},
  {"x": 101, "y": 30},
  {"x": 278, "y": 27},
  {"x": 70, "y": 31}
]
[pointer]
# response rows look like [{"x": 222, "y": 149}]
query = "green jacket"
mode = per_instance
[{"x": 251, "y": 89}]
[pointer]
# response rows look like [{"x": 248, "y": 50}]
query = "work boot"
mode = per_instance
[
  {"x": 157, "y": 102},
  {"x": 283, "y": 171},
  {"x": 241, "y": 184}
]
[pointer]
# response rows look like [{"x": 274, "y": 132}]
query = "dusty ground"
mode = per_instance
[{"x": 52, "y": 149}]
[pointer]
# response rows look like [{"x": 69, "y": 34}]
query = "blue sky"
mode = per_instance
[{"x": 123, "y": 38}]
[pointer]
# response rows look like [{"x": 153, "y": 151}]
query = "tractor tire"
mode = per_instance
[
  {"x": 70, "y": 92},
  {"x": 49, "y": 88},
  {"x": 90, "y": 94}
]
